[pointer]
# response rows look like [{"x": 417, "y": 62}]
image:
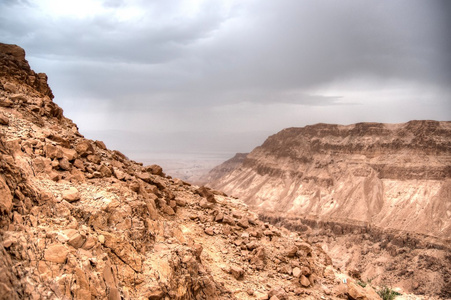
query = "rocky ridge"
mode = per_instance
[
  {"x": 383, "y": 185},
  {"x": 80, "y": 221}
]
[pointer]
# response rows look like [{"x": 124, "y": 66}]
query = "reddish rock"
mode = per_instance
[
  {"x": 56, "y": 253},
  {"x": 72, "y": 194},
  {"x": 84, "y": 148},
  {"x": 4, "y": 120},
  {"x": 237, "y": 272}
]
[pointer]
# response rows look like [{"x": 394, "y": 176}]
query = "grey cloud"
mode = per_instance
[{"x": 255, "y": 65}]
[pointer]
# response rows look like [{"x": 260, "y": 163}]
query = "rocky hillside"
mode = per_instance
[
  {"x": 80, "y": 221},
  {"x": 376, "y": 196}
]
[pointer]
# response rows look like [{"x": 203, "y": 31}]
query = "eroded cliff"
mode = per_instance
[{"x": 389, "y": 175}]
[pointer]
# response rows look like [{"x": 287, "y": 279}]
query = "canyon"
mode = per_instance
[
  {"x": 376, "y": 196},
  {"x": 81, "y": 221}
]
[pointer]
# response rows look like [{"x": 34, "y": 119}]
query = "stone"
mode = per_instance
[
  {"x": 95, "y": 159},
  {"x": 209, "y": 231},
  {"x": 56, "y": 253},
  {"x": 65, "y": 164},
  {"x": 291, "y": 251},
  {"x": 155, "y": 170},
  {"x": 6, "y": 103},
  {"x": 53, "y": 152},
  {"x": 206, "y": 193},
  {"x": 71, "y": 195},
  {"x": 237, "y": 272},
  {"x": 123, "y": 250},
  {"x": 304, "y": 281},
  {"x": 356, "y": 292},
  {"x": 243, "y": 222},
  {"x": 297, "y": 272},
  {"x": 78, "y": 163},
  {"x": 205, "y": 204},
  {"x": 76, "y": 240},
  {"x": 105, "y": 171},
  {"x": 69, "y": 154},
  {"x": 84, "y": 148},
  {"x": 4, "y": 120},
  {"x": 278, "y": 292},
  {"x": 6, "y": 198},
  {"x": 228, "y": 220},
  {"x": 100, "y": 144}
]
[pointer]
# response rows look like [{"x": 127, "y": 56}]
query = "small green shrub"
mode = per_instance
[
  {"x": 362, "y": 283},
  {"x": 387, "y": 293}
]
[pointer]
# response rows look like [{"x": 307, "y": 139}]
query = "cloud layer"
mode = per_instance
[{"x": 220, "y": 72}]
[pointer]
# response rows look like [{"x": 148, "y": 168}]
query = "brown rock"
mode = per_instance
[
  {"x": 278, "y": 292},
  {"x": 56, "y": 253},
  {"x": 69, "y": 154},
  {"x": 291, "y": 251},
  {"x": 209, "y": 231},
  {"x": 206, "y": 193},
  {"x": 6, "y": 103},
  {"x": 6, "y": 199},
  {"x": 4, "y": 120},
  {"x": 205, "y": 204},
  {"x": 297, "y": 272},
  {"x": 356, "y": 292},
  {"x": 105, "y": 171},
  {"x": 53, "y": 152},
  {"x": 78, "y": 163},
  {"x": 228, "y": 220},
  {"x": 168, "y": 210},
  {"x": 65, "y": 164},
  {"x": 95, "y": 159},
  {"x": 123, "y": 250},
  {"x": 84, "y": 148},
  {"x": 100, "y": 144},
  {"x": 72, "y": 194},
  {"x": 76, "y": 240},
  {"x": 155, "y": 170},
  {"x": 304, "y": 281},
  {"x": 237, "y": 272},
  {"x": 243, "y": 222}
]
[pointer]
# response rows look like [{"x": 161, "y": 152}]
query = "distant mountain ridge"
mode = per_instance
[{"x": 389, "y": 175}]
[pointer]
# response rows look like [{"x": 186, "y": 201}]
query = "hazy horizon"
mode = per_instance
[{"x": 219, "y": 77}]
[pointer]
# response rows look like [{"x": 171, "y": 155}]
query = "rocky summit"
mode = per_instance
[
  {"x": 376, "y": 196},
  {"x": 80, "y": 221}
]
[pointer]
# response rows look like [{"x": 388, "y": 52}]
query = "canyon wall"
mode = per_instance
[{"x": 395, "y": 176}]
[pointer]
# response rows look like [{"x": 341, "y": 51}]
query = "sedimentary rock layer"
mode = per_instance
[{"x": 395, "y": 176}]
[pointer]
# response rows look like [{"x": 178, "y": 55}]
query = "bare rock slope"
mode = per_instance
[{"x": 80, "y": 221}]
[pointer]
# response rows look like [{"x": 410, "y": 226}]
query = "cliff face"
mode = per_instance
[
  {"x": 394, "y": 176},
  {"x": 80, "y": 221}
]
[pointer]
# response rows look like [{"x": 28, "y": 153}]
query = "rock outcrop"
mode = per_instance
[
  {"x": 388, "y": 175},
  {"x": 368, "y": 192},
  {"x": 80, "y": 221}
]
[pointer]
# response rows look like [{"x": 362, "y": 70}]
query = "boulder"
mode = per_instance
[
  {"x": 356, "y": 292},
  {"x": 206, "y": 193},
  {"x": 56, "y": 253},
  {"x": 72, "y": 194},
  {"x": 84, "y": 148}
]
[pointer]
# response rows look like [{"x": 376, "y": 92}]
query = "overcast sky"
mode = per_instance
[{"x": 208, "y": 76}]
